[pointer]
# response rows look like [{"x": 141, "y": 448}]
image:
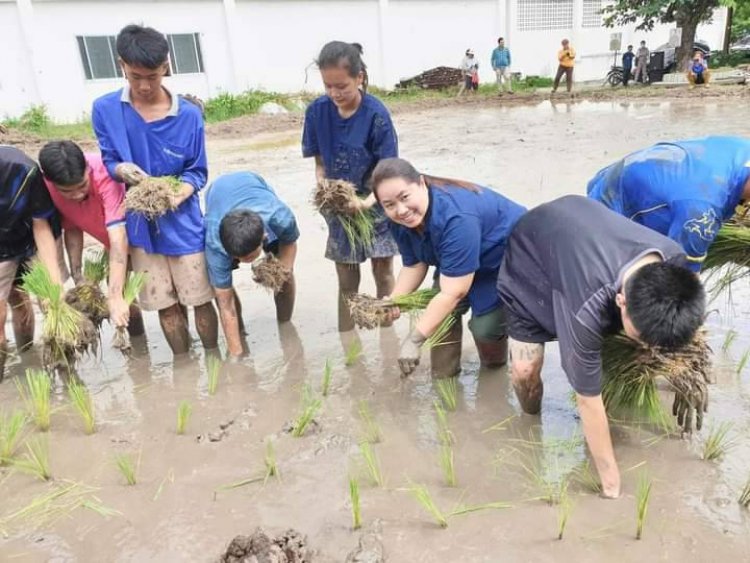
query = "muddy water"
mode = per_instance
[{"x": 175, "y": 512}]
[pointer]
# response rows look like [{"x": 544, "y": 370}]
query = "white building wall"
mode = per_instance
[{"x": 270, "y": 44}]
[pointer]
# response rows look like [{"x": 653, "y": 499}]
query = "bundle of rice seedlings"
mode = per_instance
[
  {"x": 728, "y": 257},
  {"x": 153, "y": 197},
  {"x": 309, "y": 406},
  {"x": 422, "y": 494},
  {"x": 334, "y": 198},
  {"x": 67, "y": 333},
  {"x": 630, "y": 370},
  {"x": 96, "y": 267},
  {"x": 36, "y": 396},
  {"x": 89, "y": 299},
  {"x": 354, "y": 496},
  {"x": 36, "y": 460},
  {"x": 133, "y": 286},
  {"x": 11, "y": 429},
  {"x": 368, "y": 312},
  {"x": 271, "y": 273},
  {"x": 83, "y": 405}
]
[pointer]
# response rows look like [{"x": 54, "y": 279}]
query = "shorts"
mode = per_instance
[
  {"x": 12, "y": 271},
  {"x": 340, "y": 251},
  {"x": 172, "y": 279},
  {"x": 526, "y": 330}
]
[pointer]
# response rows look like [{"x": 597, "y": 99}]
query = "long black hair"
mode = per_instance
[
  {"x": 345, "y": 55},
  {"x": 389, "y": 168}
]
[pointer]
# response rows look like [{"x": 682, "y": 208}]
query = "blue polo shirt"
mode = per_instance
[
  {"x": 171, "y": 146},
  {"x": 351, "y": 147},
  {"x": 464, "y": 232},
  {"x": 683, "y": 189},
  {"x": 243, "y": 190}
]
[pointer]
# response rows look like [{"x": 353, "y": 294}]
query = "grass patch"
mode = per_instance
[
  {"x": 372, "y": 464},
  {"x": 227, "y": 106},
  {"x": 325, "y": 386},
  {"x": 354, "y": 497},
  {"x": 82, "y": 403},
  {"x": 184, "y": 410},
  {"x": 371, "y": 430},
  {"x": 36, "y": 459},
  {"x": 717, "y": 442},
  {"x": 213, "y": 366},
  {"x": 422, "y": 495},
  {"x": 127, "y": 467},
  {"x": 642, "y": 497},
  {"x": 447, "y": 389},
  {"x": 309, "y": 407},
  {"x": 36, "y": 120},
  {"x": 36, "y": 397},
  {"x": 11, "y": 429}
]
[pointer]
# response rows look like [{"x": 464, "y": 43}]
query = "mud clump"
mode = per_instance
[
  {"x": 289, "y": 547},
  {"x": 271, "y": 273},
  {"x": 368, "y": 312},
  {"x": 88, "y": 299},
  {"x": 334, "y": 197},
  {"x": 153, "y": 197}
]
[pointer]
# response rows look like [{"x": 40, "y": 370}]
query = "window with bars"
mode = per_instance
[
  {"x": 545, "y": 14},
  {"x": 99, "y": 55},
  {"x": 592, "y": 13}
]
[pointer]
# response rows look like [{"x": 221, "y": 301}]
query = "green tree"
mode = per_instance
[
  {"x": 740, "y": 18},
  {"x": 686, "y": 14}
]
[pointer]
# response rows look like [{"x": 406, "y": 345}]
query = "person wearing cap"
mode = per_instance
[
  {"x": 566, "y": 58},
  {"x": 470, "y": 69}
]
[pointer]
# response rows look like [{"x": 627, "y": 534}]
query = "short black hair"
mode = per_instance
[
  {"x": 142, "y": 46},
  {"x": 500, "y": 39},
  {"x": 62, "y": 163},
  {"x": 667, "y": 304},
  {"x": 241, "y": 232}
]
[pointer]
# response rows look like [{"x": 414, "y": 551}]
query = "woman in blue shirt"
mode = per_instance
[
  {"x": 460, "y": 228},
  {"x": 348, "y": 131}
]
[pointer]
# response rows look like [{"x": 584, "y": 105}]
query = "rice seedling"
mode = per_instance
[
  {"x": 447, "y": 389},
  {"x": 372, "y": 464},
  {"x": 309, "y": 407},
  {"x": 96, "y": 267},
  {"x": 36, "y": 396},
  {"x": 586, "y": 477},
  {"x": 729, "y": 338},
  {"x": 477, "y": 507},
  {"x": 547, "y": 474},
  {"x": 272, "y": 469},
  {"x": 354, "y": 497},
  {"x": 213, "y": 365},
  {"x": 359, "y": 230},
  {"x": 642, "y": 496},
  {"x": 82, "y": 403},
  {"x": 717, "y": 442},
  {"x": 744, "y": 499},
  {"x": 743, "y": 361},
  {"x": 335, "y": 198},
  {"x": 168, "y": 478},
  {"x": 371, "y": 430},
  {"x": 327, "y": 376},
  {"x": 11, "y": 428},
  {"x": 564, "y": 508},
  {"x": 353, "y": 352},
  {"x": 184, "y": 410},
  {"x": 439, "y": 335},
  {"x": 445, "y": 435},
  {"x": 127, "y": 467},
  {"x": 447, "y": 465},
  {"x": 369, "y": 312},
  {"x": 422, "y": 494},
  {"x": 133, "y": 286},
  {"x": 270, "y": 273},
  {"x": 36, "y": 459},
  {"x": 153, "y": 196}
]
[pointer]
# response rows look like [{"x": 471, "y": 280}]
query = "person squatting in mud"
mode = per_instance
[
  {"x": 575, "y": 271},
  {"x": 90, "y": 201},
  {"x": 245, "y": 217},
  {"x": 348, "y": 131},
  {"x": 143, "y": 130},
  {"x": 461, "y": 228},
  {"x": 29, "y": 225},
  {"x": 682, "y": 189}
]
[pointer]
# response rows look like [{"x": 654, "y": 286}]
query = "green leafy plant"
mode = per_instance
[
  {"x": 127, "y": 467},
  {"x": 372, "y": 464},
  {"x": 642, "y": 496},
  {"x": 422, "y": 494},
  {"x": 84, "y": 406},
  {"x": 447, "y": 389},
  {"x": 184, "y": 410},
  {"x": 354, "y": 496},
  {"x": 717, "y": 442},
  {"x": 327, "y": 376},
  {"x": 36, "y": 459},
  {"x": 36, "y": 397},
  {"x": 309, "y": 407},
  {"x": 213, "y": 365},
  {"x": 11, "y": 429},
  {"x": 371, "y": 430}
]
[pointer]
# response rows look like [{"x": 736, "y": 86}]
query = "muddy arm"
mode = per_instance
[
  {"x": 452, "y": 290},
  {"x": 74, "y": 245},
  {"x": 596, "y": 431},
  {"x": 409, "y": 279},
  {"x": 119, "y": 311},
  {"x": 229, "y": 320}
]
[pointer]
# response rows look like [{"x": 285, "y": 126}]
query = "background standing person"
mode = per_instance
[
  {"x": 348, "y": 131},
  {"x": 470, "y": 70},
  {"x": 641, "y": 62},
  {"x": 698, "y": 72},
  {"x": 143, "y": 129},
  {"x": 566, "y": 59},
  {"x": 627, "y": 65},
  {"x": 501, "y": 66}
]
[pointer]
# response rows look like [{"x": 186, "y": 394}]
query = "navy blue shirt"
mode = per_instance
[
  {"x": 464, "y": 233},
  {"x": 627, "y": 59},
  {"x": 683, "y": 190},
  {"x": 351, "y": 147}
]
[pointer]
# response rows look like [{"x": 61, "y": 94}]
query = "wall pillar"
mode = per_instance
[
  {"x": 26, "y": 18},
  {"x": 230, "y": 21}
]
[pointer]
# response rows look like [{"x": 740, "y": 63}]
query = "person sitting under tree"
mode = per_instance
[{"x": 698, "y": 73}]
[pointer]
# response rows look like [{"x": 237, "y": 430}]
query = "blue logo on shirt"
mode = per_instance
[{"x": 705, "y": 227}]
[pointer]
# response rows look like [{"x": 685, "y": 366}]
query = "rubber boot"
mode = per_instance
[
  {"x": 492, "y": 353},
  {"x": 445, "y": 358}
]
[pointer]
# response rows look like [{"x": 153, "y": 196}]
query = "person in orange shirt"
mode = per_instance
[{"x": 566, "y": 56}]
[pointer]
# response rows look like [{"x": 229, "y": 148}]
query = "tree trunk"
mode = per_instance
[
  {"x": 728, "y": 30},
  {"x": 685, "y": 51}
]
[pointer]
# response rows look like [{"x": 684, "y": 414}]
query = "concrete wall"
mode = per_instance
[{"x": 270, "y": 44}]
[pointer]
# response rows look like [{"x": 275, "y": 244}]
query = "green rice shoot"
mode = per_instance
[
  {"x": 309, "y": 407},
  {"x": 496, "y": 505},
  {"x": 359, "y": 230},
  {"x": 717, "y": 442},
  {"x": 354, "y": 497},
  {"x": 447, "y": 464},
  {"x": 372, "y": 464},
  {"x": 743, "y": 361},
  {"x": 83, "y": 405},
  {"x": 728, "y": 258},
  {"x": 447, "y": 389},
  {"x": 439, "y": 335},
  {"x": 445, "y": 435},
  {"x": 564, "y": 508},
  {"x": 744, "y": 499},
  {"x": 269, "y": 460},
  {"x": 422, "y": 494},
  {"x": 184, "y": 410},
  {"x": 36, "y": 459},
  {"x": 36, "y": 396},
  {"x": 371, "y": 430},
  {"x": 642, "y": 497},
  {"x": 353, "y": 352},
  {"x": 729, "y": 338},
  {"x": 133, "y": 286},
  {"x": 127, "y": 468},
  {"x": 585, "y": 475},
  {"x": 11, "y": 431},
  {"x": 96, "y": 268},
  {"x": 213, "y": 366},
  {"x": 327, "y": 376}
]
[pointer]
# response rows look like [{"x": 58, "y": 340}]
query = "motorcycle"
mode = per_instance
[{"x": 615, "y": 76}]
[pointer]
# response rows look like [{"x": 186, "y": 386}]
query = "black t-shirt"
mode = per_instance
[
  {"x": 23, "y": 196},
  {"x": 562, "y": 268}
]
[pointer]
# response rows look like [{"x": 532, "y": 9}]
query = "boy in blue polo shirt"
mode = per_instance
[
  {"x": 144, "y": 130},
  {"x": 244, "y": 217},
  {"x": 681, "y": 189}
]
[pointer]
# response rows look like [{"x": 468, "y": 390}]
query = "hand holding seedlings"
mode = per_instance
[
  {"x": 184, "y": 191},
  {"x": 408, "y": 357},
  {"x": 130, "y": 173}
]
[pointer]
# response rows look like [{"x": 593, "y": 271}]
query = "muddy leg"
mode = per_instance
[
  {"x": 526, "y": 374},
  {"x": 175, "y": 329},
  {"x": 348, "y": 275},
  {"x": 207, "y": 325},
  {"x": 23, "y": 318},
  {"x": 136, "y": 326},
  {"x": 284, "y": 300},
  {"x": 445, "y": 359},
  {"x": 238, "y": 307}
]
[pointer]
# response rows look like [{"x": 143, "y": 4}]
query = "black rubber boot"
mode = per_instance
[
  {"x": 445, "y": 358},
  {"x": 492, "y": 353}
]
